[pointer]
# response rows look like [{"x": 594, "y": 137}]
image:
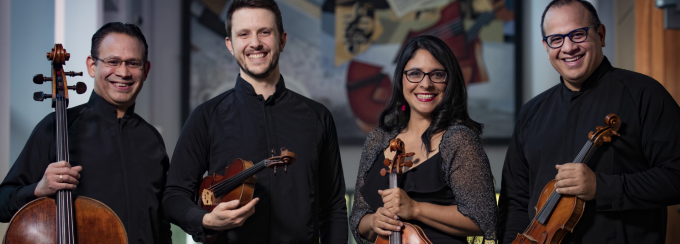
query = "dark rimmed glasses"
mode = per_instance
[
  {"x": 416, "y": 76},
  {"x": 577, "y": 36},
  {"x": 115, "y": 62}
]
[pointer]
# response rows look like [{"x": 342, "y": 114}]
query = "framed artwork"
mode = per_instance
[{"x": 342, "y": 54}]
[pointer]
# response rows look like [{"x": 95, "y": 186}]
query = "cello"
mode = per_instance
[
  {"x": 556, "y": 213},
  {"x": 63, "y": 218},
  {"x": 238, "y": 182},
  {"x": 411, "y": 234}
]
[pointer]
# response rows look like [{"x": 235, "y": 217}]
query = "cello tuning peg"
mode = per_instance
[
  {"x": 39, "y": 79},
  {"x": 40, "y": 96},
  {"x": 80, "y": 87},
  {"x": 386, "y": 162},
  {"x": 73, "y": 73},
  {"x": 408, "y": 163},
  {"x": 383, "y": 172}
]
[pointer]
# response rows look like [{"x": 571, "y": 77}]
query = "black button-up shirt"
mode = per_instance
[
  {"x": 296, "y": 207},
  {"x": 124, "y": 165},
  {"x": 638, "y": 173}
]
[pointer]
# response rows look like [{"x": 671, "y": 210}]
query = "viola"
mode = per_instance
[
  {"x": 238, "y": 182},
  {"x": 411, "y": 234},
  {"x": 558, "y": 214},
  {"x": 63, "y": 218}
]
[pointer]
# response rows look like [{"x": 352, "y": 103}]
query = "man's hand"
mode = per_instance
[
  {"x": 576, "y": 180},
  {"x": 58, "y": 176},
  {"x": 226, "y": 216},
  {"x": 398, "y": 202},
  {"x": 383, "y": 222}
]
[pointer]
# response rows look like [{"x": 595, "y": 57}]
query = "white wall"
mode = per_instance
[
  {"x": 82, "y": 18},
  {"x": 31, "y": 37},
  {"x": 5, "y": 19}
]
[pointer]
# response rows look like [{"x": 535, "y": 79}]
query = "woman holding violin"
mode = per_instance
[{"x": 448, "y": 190}]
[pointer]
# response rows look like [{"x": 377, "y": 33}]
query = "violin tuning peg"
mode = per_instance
[
  {"x": 408, "y": 163},
  {"x": 383, "y": 172},
  {"x": 386, "y": 162},
  {"x": 274, "y": 169},
  {"x": 80, "y": 87},
  {"x": 285, "y": 169},
  {"x": 40, "y": 96},
  {"x": 73, "y": 73},
  {"x": 273, "y": 154},
  {"x": 39, "y": 79}
]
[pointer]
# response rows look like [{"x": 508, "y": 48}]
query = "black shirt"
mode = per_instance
[
  {"x": 638, "y": 173},
  {"x": 124, "y": 165},
  {"x": 300, "y": 206},
  {"x": 424, "y": 183}
]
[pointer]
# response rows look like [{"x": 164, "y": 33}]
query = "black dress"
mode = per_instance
[{"x": 424, "y": 183}]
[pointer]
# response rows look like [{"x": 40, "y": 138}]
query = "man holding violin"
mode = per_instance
[
  {"x": 303, "y": 205},
  {"x": 626, "y": 184},
  {"x": 115, "y": 156}
]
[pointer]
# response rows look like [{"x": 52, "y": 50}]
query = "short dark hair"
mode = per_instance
[
  {"x": 453, "y": 107},
  {"x": 265, "y": 4},
  {"x": 117, "y": 27},
  {"x": 594, "y": 19}
]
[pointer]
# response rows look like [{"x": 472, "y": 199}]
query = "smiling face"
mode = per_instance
[
  {"x": 574, "y": 61},
  {"x": 118, "y": 85},
  {"x": 255, "y": 43},
  {"x": 423, "y": 97}
]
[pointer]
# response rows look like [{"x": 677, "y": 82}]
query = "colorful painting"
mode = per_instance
[{"x": 342, "y": 54}]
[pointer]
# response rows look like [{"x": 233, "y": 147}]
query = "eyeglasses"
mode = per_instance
[
  {"x": 416, "y": 76},
  {"x": 576, "y": 36},
  {"x": 114, "y": 62}
]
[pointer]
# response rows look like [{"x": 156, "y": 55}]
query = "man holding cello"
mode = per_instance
[
  {"x": 115, "y": 156},
  {"x": 306, "y": 204},
  {"x": 626, "y": 183}
]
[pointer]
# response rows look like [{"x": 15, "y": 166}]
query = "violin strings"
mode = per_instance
[
  {"x": 554, "y": 196},
  {"x": 226, "y": 185}
]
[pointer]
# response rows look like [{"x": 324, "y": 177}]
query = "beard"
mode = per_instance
[{"x": 270, "y": 67}]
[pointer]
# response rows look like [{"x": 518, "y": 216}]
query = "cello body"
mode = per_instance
[
  {"x": 564, "y": 218},
  {"x": 35, "y": 223}
]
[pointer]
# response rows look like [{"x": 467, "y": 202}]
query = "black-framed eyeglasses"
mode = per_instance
[
  {"x": 577, "y": 36},
  {"x": 114, "y": 62},
  {"x": 416, "y": 76}
]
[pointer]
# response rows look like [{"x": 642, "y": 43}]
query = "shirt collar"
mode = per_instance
[
  {"x": 107, "y": 110},
  {"x": 246, "y": 88},
  {"x": 595, "y": 77}
]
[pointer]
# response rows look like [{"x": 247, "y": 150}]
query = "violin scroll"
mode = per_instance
[
  {"x": 605, "y": 133},
  {"x": 285, "y": 158},
  {"x": 399, "y": 161}
]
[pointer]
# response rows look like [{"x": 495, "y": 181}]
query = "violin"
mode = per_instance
[
  {"x": 63, "y": 218},
  {"x": 557, "y": 214},
  {"x": 411, "y": 234},
  {"x": 238, "y": 182}
]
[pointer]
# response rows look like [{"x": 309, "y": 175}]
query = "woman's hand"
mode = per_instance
[
  {"x": 384, "y": 222},
  {"x": 398, "y": 202}
]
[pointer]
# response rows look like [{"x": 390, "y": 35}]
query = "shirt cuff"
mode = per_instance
[
  {"x": 609, "y": 192},
  {"x": 26, "y": 194},
  {"x": 195, "y": 227}
]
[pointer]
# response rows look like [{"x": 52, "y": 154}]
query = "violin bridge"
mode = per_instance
[{"x": 208, "y": 197}]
